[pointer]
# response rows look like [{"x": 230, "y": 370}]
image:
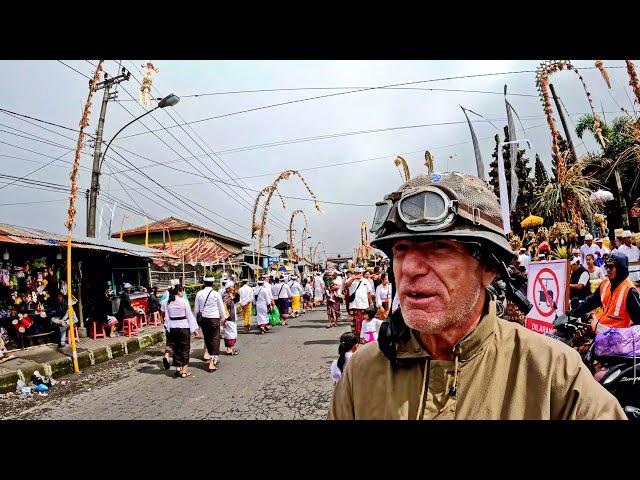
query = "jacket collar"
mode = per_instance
[{"x": 466, "y": 348}]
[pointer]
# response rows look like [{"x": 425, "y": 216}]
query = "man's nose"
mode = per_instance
[{"x": 416, "y": 261}]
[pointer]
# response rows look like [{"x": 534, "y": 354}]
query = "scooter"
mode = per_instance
[{"x": 619, "y": 375}]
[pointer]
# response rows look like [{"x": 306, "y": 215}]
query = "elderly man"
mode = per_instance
[
  {"x": 587, "y": 248},
  {"x": 633, "y": 254},
  {"x": 443, "y": 354}
]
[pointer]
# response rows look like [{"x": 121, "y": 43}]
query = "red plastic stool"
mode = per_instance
[
  {"x": 142, "y": 319},
  {"x": 154, "y": 320},
  {"x": 130, "y": 326},
  {"x": 98, "y": 332},
  {"x": 75, "y": 330}
]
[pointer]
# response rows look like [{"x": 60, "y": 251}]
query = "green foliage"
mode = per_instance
[{"x": 560, "y": 253}]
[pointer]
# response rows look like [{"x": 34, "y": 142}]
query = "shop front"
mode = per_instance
[{"x": 33, "y": 289}]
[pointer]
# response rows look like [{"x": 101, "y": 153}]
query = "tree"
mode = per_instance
[
  {"x": 541, "y": 176},
  {"x": 619, "y": 139}
]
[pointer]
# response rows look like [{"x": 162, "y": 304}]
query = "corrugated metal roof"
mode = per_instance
[{"x": 31, "y": 236}]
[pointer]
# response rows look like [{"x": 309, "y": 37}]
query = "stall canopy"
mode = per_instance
[{"x": 30, "y": 236}]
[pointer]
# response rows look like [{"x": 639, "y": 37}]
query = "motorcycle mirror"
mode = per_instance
[{"x": 632, "y": 412}]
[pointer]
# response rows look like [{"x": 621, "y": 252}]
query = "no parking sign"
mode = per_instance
[{"x": 547, "y": 288}]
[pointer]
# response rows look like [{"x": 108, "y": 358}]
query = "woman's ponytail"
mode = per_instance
[
  {"x": 172, "y": 293},
  {"x": 347, "y": 341}
]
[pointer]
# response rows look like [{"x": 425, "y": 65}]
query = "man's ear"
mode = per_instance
[{"x": 488, "y": 276}]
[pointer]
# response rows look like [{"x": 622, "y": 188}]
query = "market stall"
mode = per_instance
[{"x": 32, "y": 275}]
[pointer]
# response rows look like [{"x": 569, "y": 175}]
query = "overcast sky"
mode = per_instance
[{"x": 54, "y": 92}]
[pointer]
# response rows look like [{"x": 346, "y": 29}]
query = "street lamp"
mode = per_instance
[{"x": 168, "y": 101}]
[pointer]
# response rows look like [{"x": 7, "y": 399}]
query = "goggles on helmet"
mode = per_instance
[{"x": 428, "y": 208}]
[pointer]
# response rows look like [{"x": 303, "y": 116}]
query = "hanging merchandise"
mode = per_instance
[
  {"x": 63, "y": 287},
  {"x": 145, "y": 89}
]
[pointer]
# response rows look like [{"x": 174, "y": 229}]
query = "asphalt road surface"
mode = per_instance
[{"x": 281, "y": 375}]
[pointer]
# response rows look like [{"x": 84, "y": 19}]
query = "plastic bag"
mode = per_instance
[
  {"x": 254, "y": 311},
  {"x": 623, "y": 342},
  {"x": 274, "y": 317}
]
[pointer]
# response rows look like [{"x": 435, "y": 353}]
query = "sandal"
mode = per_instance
[
  {"x": 177, "y": 373},
  {"x": 234, "y": 352},
  {"x": 214, "y": 368},
  {"x": 186, "y": 374}
]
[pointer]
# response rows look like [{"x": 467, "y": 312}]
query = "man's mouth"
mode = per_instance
[{"x": 420, "y": 295}]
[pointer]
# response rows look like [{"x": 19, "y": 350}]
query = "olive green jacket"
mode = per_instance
[{"x": 501, "y": 370}]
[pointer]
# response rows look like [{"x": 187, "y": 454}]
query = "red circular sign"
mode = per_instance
[{"x": 538, "y": 283}]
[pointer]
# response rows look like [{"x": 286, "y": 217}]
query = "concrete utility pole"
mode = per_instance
[{"x": 97, "y": 160}]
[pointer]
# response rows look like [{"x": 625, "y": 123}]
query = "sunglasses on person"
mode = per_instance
[{"x": 609, "y": 266}]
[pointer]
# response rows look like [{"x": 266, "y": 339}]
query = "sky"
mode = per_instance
[{"x": 215, "y": 166}]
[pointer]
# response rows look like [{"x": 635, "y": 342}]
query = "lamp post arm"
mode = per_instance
[{"x": 104, "y": 155}]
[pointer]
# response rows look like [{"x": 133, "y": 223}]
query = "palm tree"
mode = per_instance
[{"x": 618, "y": 138}]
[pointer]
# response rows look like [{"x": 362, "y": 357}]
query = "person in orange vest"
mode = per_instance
[{"x": 616, "y": 295}]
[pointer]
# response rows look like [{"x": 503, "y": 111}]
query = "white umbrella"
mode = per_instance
[{"x": 601, "y": 196}]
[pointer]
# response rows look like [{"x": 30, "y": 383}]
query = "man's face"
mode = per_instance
[
  {"x": 618, "y": 242},
  {"x": 574, "y": 267},
  {"x": 439, "y": 283},
  {"x": 627, "y": 241},
  {"x": 611, "y": 270},
  {"x": 589, "y": 242}
]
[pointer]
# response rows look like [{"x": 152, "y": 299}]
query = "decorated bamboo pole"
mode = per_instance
[
  {"x": 401, "y": 161},
  {"x": 542, "y": 82},
  {"x": 269, "y": 191},
  {"x": 71, "y": 211}
]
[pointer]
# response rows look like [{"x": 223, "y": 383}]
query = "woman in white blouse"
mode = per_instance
[
  {"x": 596, "y": 274},
  {"x": 180, "y": 323},
  {"x": 384, "y": 295}
]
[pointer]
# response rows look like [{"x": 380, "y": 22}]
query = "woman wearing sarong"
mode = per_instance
[
  {"x": 180, "y": 323},
  {"x": 264, "y": 302},
  {"x": 230, "y": 329}
]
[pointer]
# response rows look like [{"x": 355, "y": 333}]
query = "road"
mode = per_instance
[{"x": 281, "y": 375}]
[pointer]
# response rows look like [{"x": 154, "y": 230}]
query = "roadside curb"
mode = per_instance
[{"x": 64, "y": 366}]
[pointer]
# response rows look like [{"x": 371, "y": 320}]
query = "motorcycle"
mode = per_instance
[{"x": 619, "y": 375}]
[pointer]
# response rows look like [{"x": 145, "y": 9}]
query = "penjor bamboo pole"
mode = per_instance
[{"x": 71, "y": 211}]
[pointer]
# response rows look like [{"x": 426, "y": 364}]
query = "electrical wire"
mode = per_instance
[
  {"x": 246, "y": 205},
  {"x": 349, "y": 92}
]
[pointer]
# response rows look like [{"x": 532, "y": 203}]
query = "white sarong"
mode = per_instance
[
  {"x": 230, "y": 331},
  {"x": 263, "y": 313}
]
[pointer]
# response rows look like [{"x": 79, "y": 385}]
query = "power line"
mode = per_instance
[
  {"x": 187, "y": 149},
  {"x": 458, "y": 77},
  {"x": 295, "y": 89}
]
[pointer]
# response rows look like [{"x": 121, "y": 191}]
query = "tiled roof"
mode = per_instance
[
  {"x": 175, "y": 224},
  {"x": 197, "y": 250}
]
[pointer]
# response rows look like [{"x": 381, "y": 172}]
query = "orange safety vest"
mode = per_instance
[{"x": 614, "y": 304}]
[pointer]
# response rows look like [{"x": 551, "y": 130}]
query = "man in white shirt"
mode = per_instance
[
  {"x": 603, "y": 250},
  {"x": 633, "y": 254},
  {"x": 362, "y": 295},
  {"x": 587, "y": 248},
  {"x": 209, "y": 304},
  {"x": 282, "y": 294},
  {"x": 246, "y": 301},
  {"x": 524, "y": 259}
]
